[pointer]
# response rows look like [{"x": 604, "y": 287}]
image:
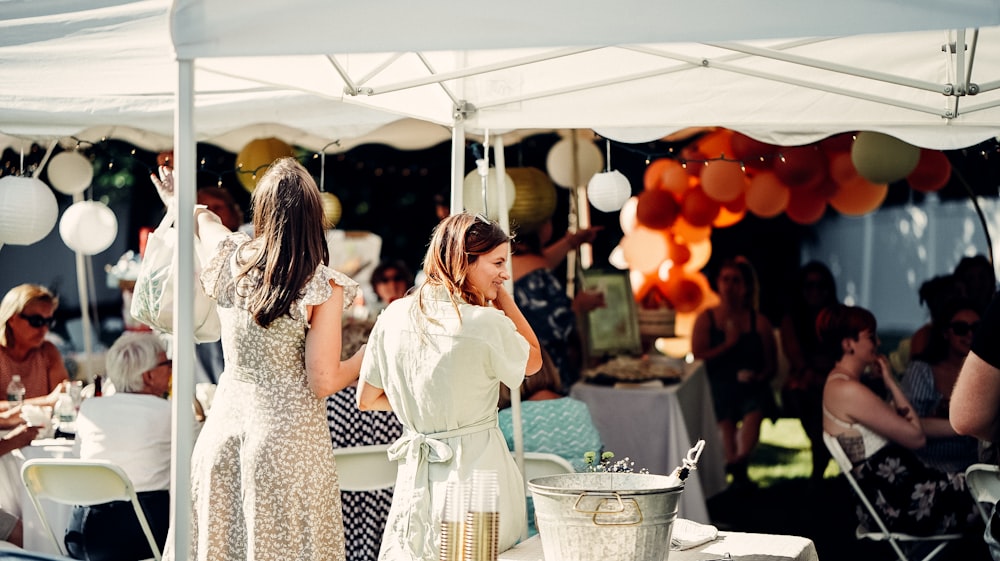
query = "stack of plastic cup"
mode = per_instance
[
  {"x": 482, "y": 522},
  {"x": 452, "y": 523}
]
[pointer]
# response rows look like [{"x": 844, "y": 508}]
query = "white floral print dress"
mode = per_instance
[{"x": 264, "y": 481}]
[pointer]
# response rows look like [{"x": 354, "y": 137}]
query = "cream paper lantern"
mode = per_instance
[
  {"x": 332, "y": 209},
  {"x": 472, "y": 193},
  {"x": 70, "y": 173},
  {"x": 89, "y": 227},
  {"x": 608, "y": 191},
  {"x": 534, "y": 198},
  {"x": 559, "y": 162},
  {"x": 881, "y": 158},
  {"x": 28, "y": 210}
]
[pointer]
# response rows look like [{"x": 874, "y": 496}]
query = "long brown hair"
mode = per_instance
[
  {"x": 457, "y": 242},
  {"x": 289, "y": 243}
]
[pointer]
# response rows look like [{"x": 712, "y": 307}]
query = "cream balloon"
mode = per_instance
[
  {"x": 560, "y": 162},
  {"x": 881, "y": 158},
  {"x": 28, "y": 210},
  {"x": 70, "y": 173},
  {"x": 472, "y": 193},
  {"x": 89, "y": 227},
  {"x": 626, "y": 218}
]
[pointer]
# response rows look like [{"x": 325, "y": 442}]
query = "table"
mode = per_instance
[
  {"x": 657, "y": 426},
  {"x": 58, "y": 515},
  {"x": 741, "y": 546}
]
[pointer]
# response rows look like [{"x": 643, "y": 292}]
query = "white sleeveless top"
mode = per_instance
[{"x": 872, "y": 441}]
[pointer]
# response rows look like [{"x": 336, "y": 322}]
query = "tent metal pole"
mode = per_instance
[
  {"x": 183, "y": 337},
  {"x": 457, "y": 164}
]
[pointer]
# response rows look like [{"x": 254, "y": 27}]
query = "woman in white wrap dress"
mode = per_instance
[{"x": 437, "y": 358}]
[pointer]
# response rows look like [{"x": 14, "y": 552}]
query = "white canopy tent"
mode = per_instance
[{"x": 312, "y": 72}]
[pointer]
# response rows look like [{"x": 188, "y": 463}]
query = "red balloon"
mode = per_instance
[
  {"x": 716, "y": 145},
  {"x": 656, "y": 209},
  {"x": 750, "y": 149},
  {"x": 723, "y": 180},
  {"x": 679, "y": 253},
  {"x": 675, "y": 179},
  {"x": 801, "y": 166},
  {"x": 652, "y": 177},
  {"x": 842, "y": 169},
  {"x": 693, "y": 160},
  {"x": 837, "y": 143},
  {"x": 698, "y": 208},
  {"x": 805, "y": 206},
  {"x": 684, "y": 293},
  {"x": 932, "y": 172}
]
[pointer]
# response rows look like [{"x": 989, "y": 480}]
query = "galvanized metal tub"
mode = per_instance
[{"x": 600, "y": 516}]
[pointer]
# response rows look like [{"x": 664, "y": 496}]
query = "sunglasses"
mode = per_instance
[
  {"x": 38, "y": 321},
  {"x": 390, "y": 278},
  {"x": 961, "y": 328}
]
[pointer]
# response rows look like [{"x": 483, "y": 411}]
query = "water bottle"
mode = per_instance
[
  {"x": 65, "y": 410},
  {"x": 15, "y": 391}
]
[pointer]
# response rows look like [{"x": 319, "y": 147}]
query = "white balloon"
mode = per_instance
[
  {"x": 608, "y": 191},
  {"x": 472, "y": 193},
  {"x": 28, "y": 210},
  {"x": 89, "y": 227},
  {"x": 559, "y": 162},
  {"x": 627, "y": 218},
  {"x": 70, "y": 172}
]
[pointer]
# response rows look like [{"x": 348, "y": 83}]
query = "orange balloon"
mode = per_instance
[
  {"x": 698, "y": 208},
  {"x": 746, "y": 148},
  {"x": 842, "y": 169},
  {"x": 723, "y": 180},
  {"x": 801, "y": 166},
  {"x": 656, "y": 209},
  {"x": 684, "y": 293},
  {"x": 653, "y": 176},
  {"x": 701, "y": 252},
  {"x": 679, "y": 253},
  {"x": 692, "y": 159},
  {"x": 687, "y": 233},
  {"x": 675, "y": 179},
  {"x": 859, "y": 197},
  {"x": 767, "y": 196},
  {"x": 645, "y": 249},
  {"x": 805, "y": 206},
  {"x": 932, "y": 172},
  {"x": 717, "y": 144},
  {"x": 737, "y": 205},
  {"x": 727, "y": 217}
]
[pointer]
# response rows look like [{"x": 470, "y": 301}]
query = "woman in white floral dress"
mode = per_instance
[{"x": 264, "y": 482}]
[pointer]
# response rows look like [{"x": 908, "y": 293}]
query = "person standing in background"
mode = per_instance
[
  {"x": 808, "y": 362},
  {"x": 391, "y": 279},
  {"x": 437, "y": 358},
  {"x": 736, "y": 342}
]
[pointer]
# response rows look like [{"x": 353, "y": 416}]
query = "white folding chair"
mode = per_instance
[
  {"x": 895, "y": 539},
  {"x": 365, "y": 468},
  {"x": 983, "y": 481},
  {"x": 72, "y": 481},
  {"x": 540, "y": 464}
]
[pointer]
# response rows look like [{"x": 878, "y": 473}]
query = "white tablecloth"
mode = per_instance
[
  {"x": 35, "y": 536},
  {"x": 741, "y": 546},
  {"x": 656, "y": 427}
]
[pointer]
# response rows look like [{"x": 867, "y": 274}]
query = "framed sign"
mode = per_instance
[{"x": 614, "y": 329}]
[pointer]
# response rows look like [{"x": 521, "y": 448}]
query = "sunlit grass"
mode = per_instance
[{"x": 783, "y": 453}]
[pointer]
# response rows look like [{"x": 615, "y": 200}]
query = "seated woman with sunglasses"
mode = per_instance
[
  {"x": 928, "y": 382},
  {"x": 27, "y": 313},
  {"x": 132, "y": 429}
]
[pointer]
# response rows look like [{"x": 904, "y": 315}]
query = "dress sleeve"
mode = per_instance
[
  {"x": 318, "y": 289},
  {"x": 219, "y": 270},
  {"x": 508, "y": 352},
  {"x": 373, "y": 363}
]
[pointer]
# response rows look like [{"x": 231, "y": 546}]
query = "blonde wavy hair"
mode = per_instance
[{"x": 16, "y": 300}]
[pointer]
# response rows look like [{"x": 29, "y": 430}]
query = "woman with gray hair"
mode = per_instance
[{"x": 132, "y": 429}]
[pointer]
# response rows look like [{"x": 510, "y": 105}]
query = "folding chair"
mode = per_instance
[
  {"x": 983, "y": 481},
  {"x": 365, "y": 468},
  {"x": 540, "y": 464},
  {"x": 895, "y": 539},
  {"x": 72, "y": 481}
]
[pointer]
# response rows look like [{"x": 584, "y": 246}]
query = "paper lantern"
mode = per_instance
[
  {"x": 805, "y": 206},
  {"x": 332, "y": 209},
  {"x": 472, "y": 192},
  {"x": 800, "y": 167},
  {"x": 534, "y": 198},
  {"x": 254, "y": 159},
  {"x": 859, "y": 197},
  {"x": 932, "y": 172},
  {"x": 70, "y": 173},
  {"x": 645, "y": 249},
  {"x": 626, "y": 218},
  {"x": 560, "y": 162},
  {"x": 28, "y": 210},
  {"x": 723, "y": 181},
  {"x": 881, "y": 158},
  {"x": 608, "y": 191},
  {"x": 767, "y": 196},
  {"x": 89, "y": 227},
  {"x": 698, "y": 208},
  {"x": 656, "y": 209}
]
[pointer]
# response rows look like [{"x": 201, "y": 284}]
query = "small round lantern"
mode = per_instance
[
  {"x": 534, "y": 198},
  {"x": 472, "y": 192},
  {"x": 560, "y": 162},
  {"x": 89, "y": 227},
  {"x": 70, "y": 173},
  {"x": 608, "y": 191},
  {"x": 332, "y": 209},
  {"x": 28, "y": 210},
  {"x": 256, "y": 156}
]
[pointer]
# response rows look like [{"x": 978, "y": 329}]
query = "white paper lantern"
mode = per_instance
[
  {"x": 89, "y": 227},
  {"x": 70, "y": 172},
  {"x": 472, "y": 193},
  {"x": 608, "y": 191},
  {"x": 559, "y": 162},
  {"x": 28, "y": 210}
]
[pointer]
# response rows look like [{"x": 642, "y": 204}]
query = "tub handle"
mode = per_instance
[{"x": 596, "y": 513}]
